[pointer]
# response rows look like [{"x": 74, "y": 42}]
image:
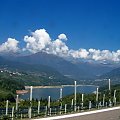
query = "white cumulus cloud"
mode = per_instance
[
  {"x": 58, "y": 47},
  {"x": 41, "y": 41},
  {"x": 11, "y": 45},
  {"x": 81, "y": 53},
  {"x": 96, "y": 55},
  {"x": 62, "y": 37}
]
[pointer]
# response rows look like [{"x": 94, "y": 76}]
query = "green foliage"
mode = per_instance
[
  {"x": 87, "y": 98},
  {"x": 110, "y": 94},
  {"x": 8, "y": 87},
  {"x": 5, "y": 117}
]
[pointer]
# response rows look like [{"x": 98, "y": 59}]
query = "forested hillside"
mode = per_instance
[{"x": 8, "y": 87}]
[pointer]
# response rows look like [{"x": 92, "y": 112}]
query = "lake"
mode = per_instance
[{"x": 39, "y": 93}]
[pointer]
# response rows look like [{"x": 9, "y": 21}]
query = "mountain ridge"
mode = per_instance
[
  {"x": 40, "y": 73},
  {"x": 74, "y": 69},
  {"x": 61, "y": 65}
]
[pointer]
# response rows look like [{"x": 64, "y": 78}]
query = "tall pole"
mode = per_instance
[
  {"x": 7, "y": 107},
  {"x": 103, "y": 100},
  {"x": 65, "y": 108},
  {"x": 31, "y": 93},
  {"x": 72, "y": 103},
  {"x": 60, "y": 93},
  {"x": 46, "y": 111},
  {"x": 97, "y": 97},
  {"x": 48, "y": 105},
  {"x": 17, "y": 102},
  {"x": 90, "y": 105},
  {"x": 82, "y": 100},
  {"x": 12, "y": 112},
  {"x": 114, "y": 98},
  {"x": 110, "y": 93},
  {"x": 50, "y": 111},
  {"x": 48, "y": 102},
  {"x": 60, "y": 100},
  {"x": 38, "y": 107},
  {"x": 114, "y": 93},
  {"x": 75, "y": 98},
  {"x": 30, "y": 109},
  {"x": 109, "y": 85}
]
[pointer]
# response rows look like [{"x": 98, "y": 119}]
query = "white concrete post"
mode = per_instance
[
  {"x": 90, "y": 105},
  {"x": 7, "y": 107},
  {"x": 100, "y": 104},
  {"x": 109, "y": 85},
  {"x": 21, "y": 116},
  {"x": 103, "y": 100},
  {"x": 38, "y": 107},
  {"x": 65, "y": 108},
  {"x": 60, "y": 93},
  {"x": 60, "y": 98},
  {"x": 78, "y": 108},
  {"x": 114, "y": 98},
  {"x": 30, "y": 109},
  {"x": 48, "y": 105},
  {"x": 46, "y": 111},
  {"x": 82, "y": 100},
  {"x": 50, "y": 111},
  {"x": 31, "y": 88},
  {"x": 17, "y": 102},
  {"x": 110, "y": 103},
  {"x": 29, "y": 112},
  {"x": 48, "y": 102},
  {"x": 97, "y": 97},
  {"x": 12, "y": 112},
  {"x": 72, "y": 103},
  {"x": 114, "y": 93},
  {"x": 75, "y": 97}
]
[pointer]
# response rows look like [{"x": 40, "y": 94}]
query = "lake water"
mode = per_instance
[{"x": 39, "y": 93}]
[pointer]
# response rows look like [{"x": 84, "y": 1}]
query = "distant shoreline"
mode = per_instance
[{"x": 62, "y": 86}]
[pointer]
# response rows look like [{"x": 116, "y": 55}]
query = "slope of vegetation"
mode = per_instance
[
  {"x": 114, "y": 74},
  {"x": 8, "y": 87}
]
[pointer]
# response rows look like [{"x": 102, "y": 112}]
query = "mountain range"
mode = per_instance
[
  {"x": 33, "y": 74},
  {"x": 73, "y": 69},
  {"x": 63, "y": 70},
  {"x": 114, "y": 75}
]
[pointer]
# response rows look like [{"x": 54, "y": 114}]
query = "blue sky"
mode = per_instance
[
  {"x": 84, "y": 28},
  {"x": 87, "y": 23}
]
